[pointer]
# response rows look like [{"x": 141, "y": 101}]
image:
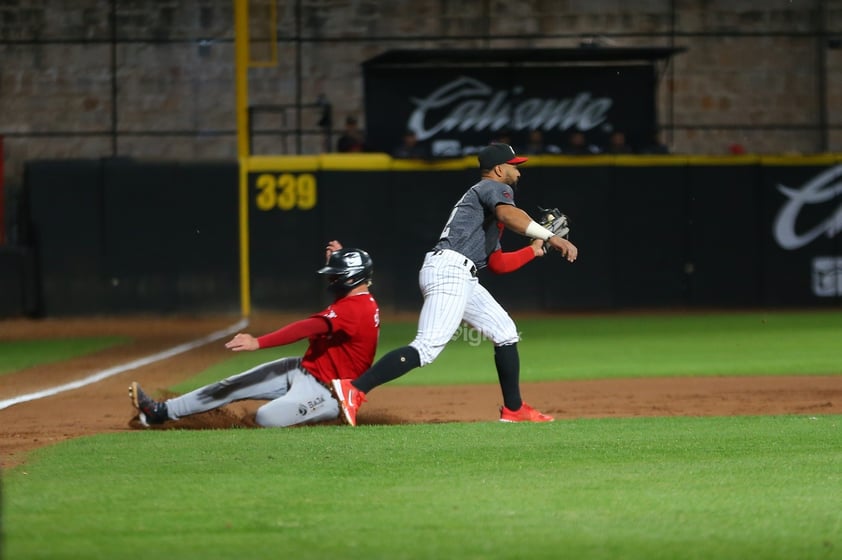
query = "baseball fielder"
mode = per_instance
[
  {"x": 469, "y": 241},
  {"x": 343, "y": 342}
]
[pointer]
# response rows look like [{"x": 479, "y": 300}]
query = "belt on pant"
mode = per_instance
[
  {"x": 322, "y": 383},
  {"x": 472, "y": 268}
]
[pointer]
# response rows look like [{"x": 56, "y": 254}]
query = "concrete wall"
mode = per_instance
[{"x": 154, "y": 78}]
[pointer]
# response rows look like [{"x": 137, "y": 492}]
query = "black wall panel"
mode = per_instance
[
  {"x": 170, "y": 236},
  {"x": 112, "y": 236},
  {"x": 725, "y": 231},
  {"x": 17, "y": 282},
  {"x": 802, "y": 214},
  {"x": 64, "y": 201},
  {"x": 649, "y": 232}
]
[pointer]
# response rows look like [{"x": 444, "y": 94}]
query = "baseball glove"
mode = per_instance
[{"x": 554, "y": 221}]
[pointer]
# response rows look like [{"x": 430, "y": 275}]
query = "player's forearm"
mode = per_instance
[
  {"x": 520, "y": 222},
  {"x": 503, "y": 263},
  {"x": 294, "y": 332}
]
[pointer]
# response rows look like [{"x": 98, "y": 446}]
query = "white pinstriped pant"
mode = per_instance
[{"x": 453, "y": 294}]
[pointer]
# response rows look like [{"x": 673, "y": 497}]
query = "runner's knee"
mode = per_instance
[{"x": 266, "y": 419}]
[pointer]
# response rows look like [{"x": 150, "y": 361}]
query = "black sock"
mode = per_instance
[
  {"x": 507, "y": 360},
  {"x": 389, "y": 367}
]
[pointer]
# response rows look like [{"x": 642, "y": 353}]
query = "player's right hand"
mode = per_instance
[
  {"x": 242, "y": 341},
  {"x": 565, "y": 247},
  {"x": 332, "y": 245},
  {"x": 538, "y": 247}
]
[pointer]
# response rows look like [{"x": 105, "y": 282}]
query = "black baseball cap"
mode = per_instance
[{"x": 496, "y": 154}]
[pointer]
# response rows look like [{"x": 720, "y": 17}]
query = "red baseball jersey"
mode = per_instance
[{"x": 348, "y": 349}]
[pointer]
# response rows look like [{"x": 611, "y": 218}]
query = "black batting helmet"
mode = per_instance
[{"x": 347, "y": 269}]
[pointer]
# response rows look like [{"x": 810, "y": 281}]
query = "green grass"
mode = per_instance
[
  {"x": 646, "y": 488},
  {"x": 587, "y": 347},
  {"x": 729, "y": 344},
  {"x": 21, "y": 354},
  {"x": 566, "y": 347},
  {"x": 749, "y": 487}
]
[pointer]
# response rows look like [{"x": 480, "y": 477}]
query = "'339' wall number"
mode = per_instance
[{"x": 286, "y": 191}]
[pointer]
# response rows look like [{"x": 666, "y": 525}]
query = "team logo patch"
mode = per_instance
[
  {"x": 506, "y": 194},
  {"x": 827, "y": 276},
  {"x": 353, "y": 259}
]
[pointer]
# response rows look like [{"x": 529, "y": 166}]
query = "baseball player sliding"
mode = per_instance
[
  {"x": 343, "y": 342},
  {"x": 469, "y": 241}
]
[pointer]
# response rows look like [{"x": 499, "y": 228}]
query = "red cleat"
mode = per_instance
[
  {"x": 350, "y": 399},
  {"x": 524, "y": 414}
]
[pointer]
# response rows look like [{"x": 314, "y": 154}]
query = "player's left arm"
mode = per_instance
[
  {"x": 299, "y": 330},
  {"x": 520, "y": 222},
  {"x": 503, "y": 262}
]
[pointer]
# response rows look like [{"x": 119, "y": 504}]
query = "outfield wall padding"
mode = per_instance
[
  {"x": 123, "y": 236},
  {"x": 119, "y": 236}
]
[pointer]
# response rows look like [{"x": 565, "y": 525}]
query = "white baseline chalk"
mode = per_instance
[{"x": 106, "y": 373}]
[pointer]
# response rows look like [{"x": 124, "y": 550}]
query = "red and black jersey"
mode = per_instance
[{"x": 348, "y": 348}]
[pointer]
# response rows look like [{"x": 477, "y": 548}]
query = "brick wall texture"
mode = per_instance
[{"x": 155, "y": 78}]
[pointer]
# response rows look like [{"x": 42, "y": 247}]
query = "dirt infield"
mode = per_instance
[{"x": 104, "y": 406}]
